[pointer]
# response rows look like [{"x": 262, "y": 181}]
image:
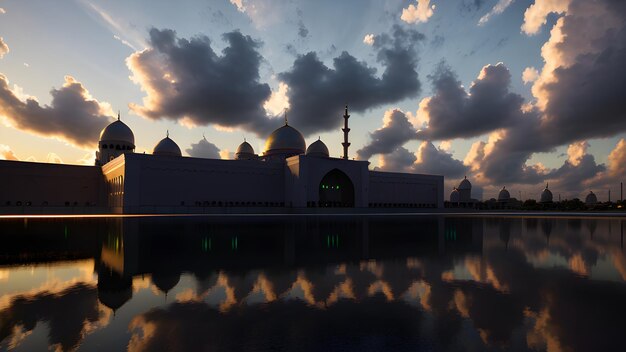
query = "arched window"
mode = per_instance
[
  {"x": 117, "y": 147},
  {"x": 104, "y": 146},
  {"x": 110, "y": 146}
]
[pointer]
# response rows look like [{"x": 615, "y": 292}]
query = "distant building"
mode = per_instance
[
  {"x": 287, "y": 174},
  {"x": 546, "y": 196},
  {"x": 591, "y": 199},
  {"x": 461, "y": 196}
]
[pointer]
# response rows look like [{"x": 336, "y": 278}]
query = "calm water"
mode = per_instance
[{"x": 313, "y": 284}]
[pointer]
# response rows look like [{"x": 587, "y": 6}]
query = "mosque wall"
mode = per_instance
[
  {"x": 178, "y": 184},
  {"x": 27, "y": 187},
  {"x": 305, "y": 173},
  {"x": 391, "y": 189}
]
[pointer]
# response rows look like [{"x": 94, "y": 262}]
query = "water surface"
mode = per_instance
[{"x": 313, "y": 284}]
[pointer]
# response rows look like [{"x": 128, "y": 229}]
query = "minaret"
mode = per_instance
[{"x": 345, "y": 130}]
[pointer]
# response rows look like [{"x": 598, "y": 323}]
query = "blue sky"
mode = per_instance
[{"x": 91, "y": 41}]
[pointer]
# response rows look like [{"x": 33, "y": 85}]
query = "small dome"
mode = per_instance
[
  {"x": 546, "y": 195},
  {"x": 317, "y": 148},
  {"x": 591, "y": 198},
  {"x": 244, "y": 151},
  {"x": 117, "y": 131},
  {"x": 167, "y": 147},
  {"x": 465, "y": 184},
  {"x": 285, "y": 141},
  {"x": 504, "y": 195},
  {"x": 455, "y": 197}
]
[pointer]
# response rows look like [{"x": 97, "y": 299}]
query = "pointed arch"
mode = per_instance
[{"x": 336, "y": 190}]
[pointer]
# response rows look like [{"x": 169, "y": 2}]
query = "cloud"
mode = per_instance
[
  {"x": 453, "y": 112},
  {"x": 398, "y": 160},
  {"x": 395, "y": 132},
  {"x": 6, "y": 153},
  {"x": 185, "y": 78},
  {"x": 431, "y": 160},
  {"x": 577, "y": 170},
  {"x": 530, "y": 75},
  {"x": 536, "y": 15},
  {"x": 54, "y": 158},
  {"x": 420, "y": 13},
  {"x": 4, "y": 48},
  {"x": 73, "y": 116},
  {"x": 368, "y": 39},
  {"x": 303, "y": 32},
  {"x": 496, "y": 10},
  {"x": 238, "y": 4},
  {"x": 2, "y": 11},
  {"x": 580, "y": 90},
  {"x": 204, "y": 149},
  {"x": 317, "y": 93}
]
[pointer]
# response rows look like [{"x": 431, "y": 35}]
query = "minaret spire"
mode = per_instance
[
  {"x": 286, "y": 117},
  {"x": 345, "y": 130},
  {"x": 118, "y": 115}
]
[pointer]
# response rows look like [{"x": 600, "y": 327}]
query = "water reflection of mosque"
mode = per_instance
[{"x": 165, "y": 250}]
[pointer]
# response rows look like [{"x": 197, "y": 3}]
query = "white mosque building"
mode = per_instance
[{"x": 286, "y": 175}]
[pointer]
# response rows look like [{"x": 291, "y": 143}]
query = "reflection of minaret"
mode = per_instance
[{"x": 345, "y": 130}]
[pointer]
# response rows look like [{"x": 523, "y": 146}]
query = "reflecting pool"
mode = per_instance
[{"x": 345, "y": 283}]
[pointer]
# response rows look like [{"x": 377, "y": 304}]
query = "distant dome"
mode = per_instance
[
  {"x": 285, "y": 141},
  {"x": 591, "y": 198},
  {"x": 455, "y": 197},
  {"x": 317, "y": 148},
  {"x": 465, "y": 184},
  {"x": 167, "y": 147},
  {"x": 117, "y": 131},
  {"x": 244, "y": 151},
  {"x": 546, "y": 195},
  {"x": 504, "y": 195}
]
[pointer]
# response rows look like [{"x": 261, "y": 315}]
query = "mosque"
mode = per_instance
[{"x": 288, "y": 174}]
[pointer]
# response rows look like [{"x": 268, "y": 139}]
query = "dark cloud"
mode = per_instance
[
  {"x": 317, "y": 93},
  {"x": 472, "y": 5},
  {"x": 396, "y": 131},
  {"x": 576, "y": 171},
  {"x": 427, "y": 160},
  {"x": 431, "y": 160},
  {"x": 204, "y": 149},
  {"x": 588, "y": 99},
  {"x": 185, "y": 78},
  {"x": 399, "y": 160},
  {"x": 455, "y": 113},
  {"x": 303, "y": 32},
  {"x": 437, "y": 41},
  {"x": 73, "y": 115}
]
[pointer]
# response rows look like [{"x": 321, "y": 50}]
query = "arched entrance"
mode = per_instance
[{"x": 336, "y": 190}]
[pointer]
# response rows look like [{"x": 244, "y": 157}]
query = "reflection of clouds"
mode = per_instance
[
  {"x": 380, "y": 287},
  {"x": 53, "y": 279},
  {"x": 71, "y": 314},
  {"x": 4, "y": 275}
]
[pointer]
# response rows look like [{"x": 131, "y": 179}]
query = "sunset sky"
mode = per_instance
[{"x": 511, "y": 93}]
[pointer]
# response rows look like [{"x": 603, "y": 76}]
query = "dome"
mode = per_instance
[
  {"x": 117, "y": 131},
  {"x": 285, "y": 141},
  {"x": 465, "y": 184},
  {"x": 591, "y": 198},
  {"x": 546, "y": 195},
  {"x": 244, "y": 151},
  {"x": 504, "y": 195},
  {"x": 318, "y": 148},
  {"x": 455, "y": 197},
  {"x": 167, "y": 147}
]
